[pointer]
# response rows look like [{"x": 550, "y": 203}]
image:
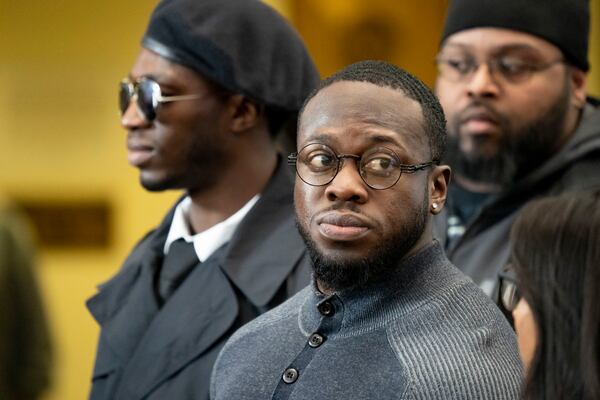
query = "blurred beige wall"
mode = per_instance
[
  {"x": 60, "y": 140},
  {"x": 339, "y": 32}
]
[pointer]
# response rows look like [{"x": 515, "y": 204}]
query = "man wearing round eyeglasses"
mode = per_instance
[
  {"x": 511, "y": 81},
  {"x": 387, "y": 316},
  {"x": 214, "y": 83}
]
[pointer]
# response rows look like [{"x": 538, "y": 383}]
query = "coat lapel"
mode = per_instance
[
  {"x": 198, "y": 314},
  {"x": 123, "y": 328},
  {"x": 153, "y": 344},
  {"x": 126, "y": 304},
  {"x": 266, "y": 247}
]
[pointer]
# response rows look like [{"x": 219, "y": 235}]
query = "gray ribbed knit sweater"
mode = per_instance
[{"x": 428, "y": 333}]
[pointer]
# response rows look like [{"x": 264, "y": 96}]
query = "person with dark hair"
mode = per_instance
[
  {"x": 555, "y": 255},
  {"x": 511, "y": 80},
  {"x": 214, "y": 82},
  {"x": 387, "y": 316}
]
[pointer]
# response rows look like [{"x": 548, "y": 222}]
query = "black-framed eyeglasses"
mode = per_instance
[
  {"x": 509, "y": 294},
  {"x": 379, "y": 167},
  {"x": 507, "y": 68},
  {"x": 148, "y": 96}
]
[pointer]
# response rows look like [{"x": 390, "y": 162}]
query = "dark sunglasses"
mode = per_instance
[{"x": 148, "y": 97}]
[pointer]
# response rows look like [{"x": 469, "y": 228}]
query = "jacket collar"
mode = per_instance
[
  {"x": 417, "y": 280},
  {"x": 189, "y": 324},
  {"x": 266, "y": 246},
  {"x": 150, "y": 344},
  {"x": 250, "y": 254},
  {"x": 264, "y": 250},
  {"x": 147, "y": 254}
]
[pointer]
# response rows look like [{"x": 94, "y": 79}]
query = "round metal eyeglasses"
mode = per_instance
[{"x": 379, "y": 167}]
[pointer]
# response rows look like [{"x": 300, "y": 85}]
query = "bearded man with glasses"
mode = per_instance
[
  {"x": 214, "y": 84},
  {"x": 387, "y": 316},
  {"x": 511, "y": 81}
]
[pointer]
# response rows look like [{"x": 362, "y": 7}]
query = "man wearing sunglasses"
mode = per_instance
[
  {"x": 213, "y": 84},
  {"x": 387, "y": 316},
  {"x": 511, "y": 81}
]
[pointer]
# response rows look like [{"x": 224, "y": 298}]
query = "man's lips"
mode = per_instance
[
  {"x": 479, "y": 121},
  {"x": 138, "y": 153},
  {"x": 342, "y": 226},
  {"x": 478, "y": 126}
]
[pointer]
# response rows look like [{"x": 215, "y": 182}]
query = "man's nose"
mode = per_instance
[
  {"x": 132, "y": 117},
  {"x": 483, "y": 82},
  {"x": 347, "y": 185}
]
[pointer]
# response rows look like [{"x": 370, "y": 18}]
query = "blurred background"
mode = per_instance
[{"x": 62, "y": 151}]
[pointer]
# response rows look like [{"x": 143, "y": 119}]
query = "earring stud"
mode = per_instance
[{"x": 434, "y": 206}]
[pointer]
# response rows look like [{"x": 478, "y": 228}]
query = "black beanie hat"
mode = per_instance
[
  {"x": 564, "y": 23},
  {"x": 243, "y": 45}
]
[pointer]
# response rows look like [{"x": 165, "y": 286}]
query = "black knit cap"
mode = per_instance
[
  {"x": 564, "y": 23},
  {"x": 243, "y": 45}
]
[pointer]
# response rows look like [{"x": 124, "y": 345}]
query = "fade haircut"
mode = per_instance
[{"x": 387, "y": 75}]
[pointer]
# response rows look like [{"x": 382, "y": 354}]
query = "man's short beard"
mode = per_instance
[
  {"x": 520, "y": 150},
  {"x": 339, "y": 274},
  {"x": 199, "y": 169}
]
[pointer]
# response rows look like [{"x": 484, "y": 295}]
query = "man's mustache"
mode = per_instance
[
  {"x": 343, "y": 205},
  {"x": 482, "y": 111}
]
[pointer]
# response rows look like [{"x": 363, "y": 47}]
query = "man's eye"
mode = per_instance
[
  {"x": 512, "y": 67},
  {"x": 379, "y": 165},
  {"x": 461, "y": 66},
  {"x": 320, "y": 161}
]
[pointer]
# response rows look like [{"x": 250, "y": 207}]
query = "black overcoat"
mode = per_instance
[{"x": 147, "y": 352}]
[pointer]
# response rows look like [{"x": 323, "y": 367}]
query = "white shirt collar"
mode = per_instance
[{"x": 205, "y": 243}]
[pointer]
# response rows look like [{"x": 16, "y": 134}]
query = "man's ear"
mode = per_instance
[
  {"x": 578, "y": 85},
  {"x": 245, "y": 114},
  {"x": 439, "y": 179}
]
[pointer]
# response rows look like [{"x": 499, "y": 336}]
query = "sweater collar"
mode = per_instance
[{"x": 416, "y": 281}]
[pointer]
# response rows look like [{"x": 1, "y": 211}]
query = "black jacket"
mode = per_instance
[
  {"x": 484, "y": 247},
  {"x": 147, "y": 352}
]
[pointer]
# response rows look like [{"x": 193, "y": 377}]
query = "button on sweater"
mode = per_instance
[{"x": 427, "y": 332}]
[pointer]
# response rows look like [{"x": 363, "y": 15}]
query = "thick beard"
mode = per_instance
[
  {"x": 520, "y": 151},
  {"x": 338, "y": 274}
]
